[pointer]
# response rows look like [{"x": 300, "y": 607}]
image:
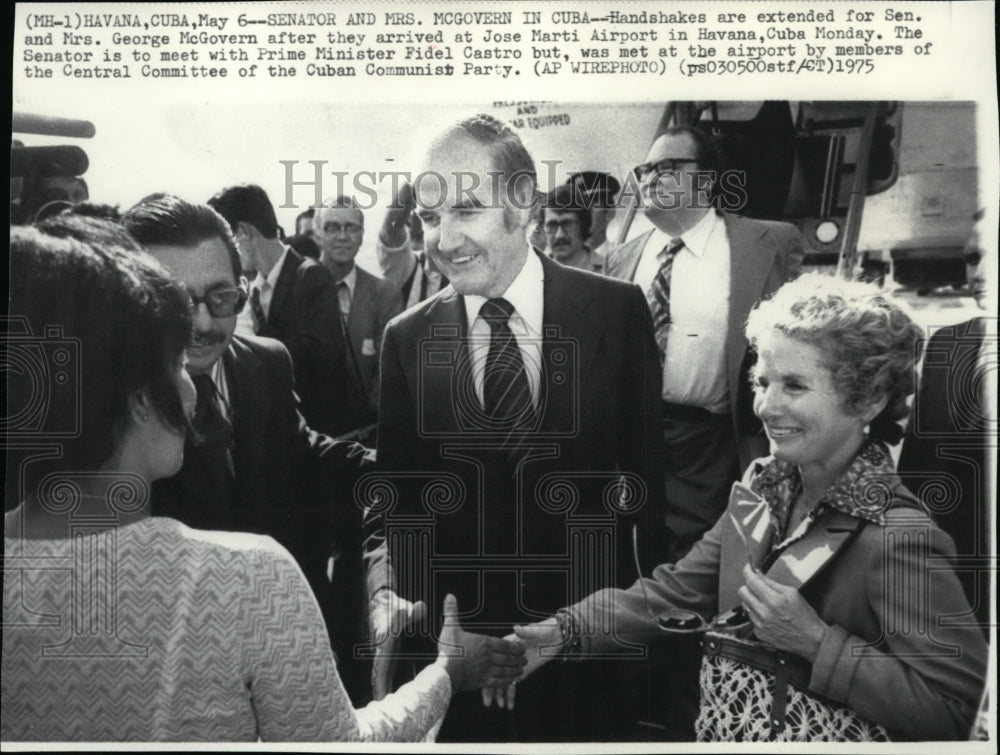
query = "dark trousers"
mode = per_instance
[{"x": 701, "y": 466}]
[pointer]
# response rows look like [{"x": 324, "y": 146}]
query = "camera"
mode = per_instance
[
  {"x": 450, "y": 408},
  {"x": 43, "y": 382}
]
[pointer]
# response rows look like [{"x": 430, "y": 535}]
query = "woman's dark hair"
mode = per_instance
[
  {"x": 118, "y": 320},
  {"x": 869, "y": 340}
]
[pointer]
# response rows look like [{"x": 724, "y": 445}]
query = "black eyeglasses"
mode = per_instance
[
  {"x": 552, "y": 226},
  {"x": 667, "y": 165},
  {"x": 222, "y": 302},
  {"x": 349, "y": 228},
  {"x": 682, "y": 621}
]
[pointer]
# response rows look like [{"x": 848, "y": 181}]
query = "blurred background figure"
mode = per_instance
[
  {"x": 367, "y": 303},
  {"x": 292, "y": 299},
  {"x": 950, "y": 442},
  {"x": 601, "y": 191},
  {"x": 303, "y": 241},
  {"x": 401, "y": 255},
  {"x": 565, "y": 220}
]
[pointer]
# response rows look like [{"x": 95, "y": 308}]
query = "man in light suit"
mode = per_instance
[
  {"x": 519, "y": 429},
  {"x": 367, "y": 303},
  {"x": 256, "y": 466},
  {"x": 722, "y": 264},
  {"x": 292, "y": 299}
]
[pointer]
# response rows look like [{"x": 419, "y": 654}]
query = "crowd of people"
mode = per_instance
[{"x": 298, "y": 501}]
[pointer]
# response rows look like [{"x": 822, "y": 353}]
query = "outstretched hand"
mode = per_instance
[
  {"x": 541, "y": 642},
  {"x": 476, "y": 660},
  {"x": 391, "y": 615}
]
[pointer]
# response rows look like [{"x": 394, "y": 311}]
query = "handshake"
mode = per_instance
[{"x": 473, "y": 661}]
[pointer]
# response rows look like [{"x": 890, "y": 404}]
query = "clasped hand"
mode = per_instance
[
  {"x": 540, "y": 642},
  {"x": 471, "y": 660}
]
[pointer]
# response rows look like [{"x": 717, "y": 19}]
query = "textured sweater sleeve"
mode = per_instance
[{"x": 291, "y": 676}]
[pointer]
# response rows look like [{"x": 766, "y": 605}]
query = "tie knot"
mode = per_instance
[
  {"x": 204, "y": 387},
  {"x": 671, "y": 249},
  {"x": 496, "y": 312}
]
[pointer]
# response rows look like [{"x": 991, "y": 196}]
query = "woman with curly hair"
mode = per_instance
[{"x": 831, "y": 605}]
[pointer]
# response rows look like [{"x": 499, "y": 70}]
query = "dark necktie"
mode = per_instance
[
  {"x": 215, "y": 430},
  {"x": 659, "y": 294},
  {"x": 211, "y": 459},
  {"x": 506, "y": 393},
  {"x": 259, "y": 318}
]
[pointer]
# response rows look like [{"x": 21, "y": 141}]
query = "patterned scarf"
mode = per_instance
[{"x": 863, "y": 490}]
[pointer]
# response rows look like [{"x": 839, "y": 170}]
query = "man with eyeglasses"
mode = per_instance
[
  {"x": 292, "y": 299},
  {"x": 255, "y": 465},
  {"x": 566, "y": 224},
  {"x": 702, "y": 269},
  {"x": 367, "y": 302}
]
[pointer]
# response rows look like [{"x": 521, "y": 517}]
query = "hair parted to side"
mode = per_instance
[
  {"x": 247, "y": 203},
  {"x": 168, "y": 220},
  {"x": 510, "y": 157},
  {"x": 131, "y": 319},
  {"x": 870, "y": 343}
]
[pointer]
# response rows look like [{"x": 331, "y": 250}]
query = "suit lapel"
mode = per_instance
[
  {"x": 623, "y": 262},
  {"x": 248, "y": 398},
  {"x": 751, "y": 258},
  {"x": 361, "y": 304},
  {"x": 446, "y": 346},
  {"x": 567, "y": 328}
]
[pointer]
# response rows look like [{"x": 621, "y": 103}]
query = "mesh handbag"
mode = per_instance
[{"x": 751, "y": 692}]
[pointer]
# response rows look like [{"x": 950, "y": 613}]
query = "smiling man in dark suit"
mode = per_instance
[
  {"x": 257, "y": 467},
  {"x": 519, "y": 429},
  {"x": 293, "y": 299}
]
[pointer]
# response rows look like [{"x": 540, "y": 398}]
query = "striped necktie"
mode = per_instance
[
  {"x": 259, "y": 318},
  {"x": 506, "y": 393},
  {"x": 658, "y": 295}
]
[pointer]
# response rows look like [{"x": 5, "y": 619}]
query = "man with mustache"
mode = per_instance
[
  {"x": 518, "y": 435},
  {"x": 566, "y": 224},
  {"x": 256, "y": 466}
]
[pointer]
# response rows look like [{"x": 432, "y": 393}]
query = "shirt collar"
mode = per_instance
[
  {"x": 351, "y": 279},
  {"x": 696, "y": 237},
  {"x": 863, "y": 490},
  {"x": 525, "y": 293},
  {"x": 272, "y": 277}
]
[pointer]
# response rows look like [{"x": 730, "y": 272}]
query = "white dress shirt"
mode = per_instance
[
  {"x": 345, "y": 299},
  {"x": 267, "y": 285},
  {"x": 694, "y": 370},
  {"x": 525, "y": 293}
]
